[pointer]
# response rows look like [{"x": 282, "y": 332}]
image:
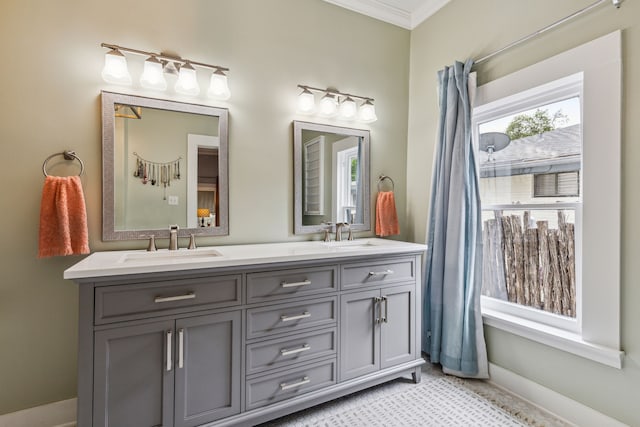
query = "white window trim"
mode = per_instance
[
  {"x": 600, "y": 63},
  {"x": 308, "y": 199}
]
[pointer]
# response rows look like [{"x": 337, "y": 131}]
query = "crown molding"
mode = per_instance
[{"x": 393, "y": 15}]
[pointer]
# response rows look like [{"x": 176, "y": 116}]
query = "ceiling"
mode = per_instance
[{"x": 403, "y": 13}]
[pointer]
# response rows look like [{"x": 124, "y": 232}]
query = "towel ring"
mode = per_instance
[
  {"x": 382, "y": 178},
  {"x": 68, "y": 155}
]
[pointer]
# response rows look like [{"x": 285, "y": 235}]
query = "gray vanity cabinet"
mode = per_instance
[
  {"x": 377, "y": 325},
  {"x": 244, "y": 344},
  {"x": 178, "y": 373}
]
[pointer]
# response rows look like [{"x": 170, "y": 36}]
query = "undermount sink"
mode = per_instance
[
  {"x": 164, "y": 255},
  {"x": 350, "y": 244}
]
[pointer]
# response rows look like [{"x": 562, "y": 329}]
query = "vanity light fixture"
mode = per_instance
[
  {"x": 306, "y": 102},
  {"x": 153, "y": 75},
  {"x": 336, "y": 103},
  {"x": 328, "y": 105},
  {"x": 187, "y": 83},
  {"x": 157, "y": 65},
  {"x": 115, "y": 68}
]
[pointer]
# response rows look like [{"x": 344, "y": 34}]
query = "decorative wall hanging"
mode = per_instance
[{"x": 157, "y": 173}]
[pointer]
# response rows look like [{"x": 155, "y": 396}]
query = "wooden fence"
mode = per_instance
[{"x": 532, "y": 266}]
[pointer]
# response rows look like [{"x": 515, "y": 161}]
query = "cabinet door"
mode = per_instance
[
  {"x": 359, "y": 338},
  {"x": 133, "y": 376},
  {"x": 397, "y": 331},
  {"x": 207, "y": 368}
]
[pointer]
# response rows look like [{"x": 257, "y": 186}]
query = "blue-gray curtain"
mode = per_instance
[{"x": 452, "y": 322}]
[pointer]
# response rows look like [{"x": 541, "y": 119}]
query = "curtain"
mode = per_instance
[{"x": 453, "y": 334}]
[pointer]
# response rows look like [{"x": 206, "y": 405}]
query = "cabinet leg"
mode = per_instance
[{"x": 416, "y": 374}]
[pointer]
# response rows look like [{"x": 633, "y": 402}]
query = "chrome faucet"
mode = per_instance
[
  {"x": 339, "y": 227},
  {"x": 173, "y": 237},
  {"x": 327, "y": 231}
]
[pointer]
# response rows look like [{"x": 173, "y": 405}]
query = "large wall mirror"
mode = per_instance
[
  {"x": 331, "y": 177},
  {"x": 163, "y": 163}
]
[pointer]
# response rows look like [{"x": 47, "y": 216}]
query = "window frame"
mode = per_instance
[{"x": 597, "y": 332}]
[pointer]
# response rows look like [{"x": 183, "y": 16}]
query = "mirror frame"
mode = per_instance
[
  {"x": 109, "y": 99},
  {"x": 298, "y": 127}
]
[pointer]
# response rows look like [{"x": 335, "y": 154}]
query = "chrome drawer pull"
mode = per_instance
[
  {"x": 180, "y": 348},
  {"x": 169, "y": 361},
  {"x": 190, "y": 295},
  {"x": 294, "y": 284},
  {"x": 285, "y": 386},
  {"x": 304, "y": 315},
  {"x": 386, "y": 309},
  {"x": 287, "y": 352},
  {"x": 376, "y": 308},
  {"x": 380, "y": 273}
]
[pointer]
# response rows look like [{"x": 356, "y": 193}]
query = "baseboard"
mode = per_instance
[
  {"x": 57, "y": 414},
  {"x": 554, "y": 402}
]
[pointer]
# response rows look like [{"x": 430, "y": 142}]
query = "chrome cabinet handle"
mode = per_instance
[
  {"x": 190, "y": 295},
  {"x": 285, "y": 386},
  {"x": 180, "y": 348},
  {"x": 169, "y": 361},
  {"x": 376, "y": 302},
  {"x": 294, "y": 284},
  {"x": 287, "y": 352},
  {"x": 380, "y": 273},
  {"x": 386, "y": 309},
  {"x": 304, "y": 315}
]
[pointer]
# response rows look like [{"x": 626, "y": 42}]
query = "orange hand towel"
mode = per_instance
[
  {"x": 386, "y": 215},
  {"x": 63, "y": 218}
]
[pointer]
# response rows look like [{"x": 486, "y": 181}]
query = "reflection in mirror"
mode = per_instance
[
  {"x": 164, "y": 163},
  {"x": 331, "y": 177}
]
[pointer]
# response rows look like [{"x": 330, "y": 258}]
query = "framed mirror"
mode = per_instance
[
  {"x": 331, "y": 177},
  {"x": 163, "y": 163}
]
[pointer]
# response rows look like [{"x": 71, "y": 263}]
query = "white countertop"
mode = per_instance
[{"x": 115, "y": 263}]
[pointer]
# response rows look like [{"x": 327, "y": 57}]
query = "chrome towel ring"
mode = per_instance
[
  {"x": 68, "y": 155},
  {"x": 382, "y": 178}
]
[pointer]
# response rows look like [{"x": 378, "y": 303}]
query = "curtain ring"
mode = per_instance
[{"x": 68, "y": 155}]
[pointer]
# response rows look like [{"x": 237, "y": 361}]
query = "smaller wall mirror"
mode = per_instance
[
  {"x": 164, "y": 163},
  {"x": 331, "y": 177}
]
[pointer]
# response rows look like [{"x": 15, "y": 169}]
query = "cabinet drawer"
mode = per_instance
[
  {"x": 291, "y": 317},
  {"x": 285, "y": 385},
  {"x": 376, "y": 273},
  {"x": 290, "y": 283},
  {"x": 141, "y": 300},
  {"x": 282, "y": 352}
]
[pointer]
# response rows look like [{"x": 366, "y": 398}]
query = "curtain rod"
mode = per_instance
[{"x": 616, "y": 3}]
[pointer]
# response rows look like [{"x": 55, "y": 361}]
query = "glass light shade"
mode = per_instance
[
  {"x": 348, "y": 109},
  {"x": 368, "y": 112},
  {"x": 187, "y": 83},
  {"x": 306, "y": 102},
  {"x": 328, "y": 105},
  {"x": 218, "y": 87},
  {"x": 153, "y": 75},
  {"x": 115, "y": 68}
]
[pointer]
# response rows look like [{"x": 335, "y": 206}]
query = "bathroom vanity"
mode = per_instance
[{"x": 238, "y": 335}]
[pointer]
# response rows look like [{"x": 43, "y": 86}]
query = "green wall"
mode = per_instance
[
  {"x": 470, "y": 28},
  {"x": 50, "y": 101}
]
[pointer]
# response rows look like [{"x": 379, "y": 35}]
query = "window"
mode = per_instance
[
  {"x": 548, "y": 151},
  {"x": 529, "y": 239},
  {"x": 345, "y": 164},
  {"x": 313, "y": 158},
  {"x": 561, "y": 184}
]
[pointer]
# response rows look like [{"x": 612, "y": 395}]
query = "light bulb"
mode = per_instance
[
  {"x": 306, "y": 102},
  {"x": 368, "y": 112},
  {"x": 218, "y": 87},
  {"x": 348, "y": 109},
  {"x": 115, "y": 68},
  {"x": 153, "y": 75},
  {"x": 328, "y": 105},
  {"x": 187, "y": 83}
]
